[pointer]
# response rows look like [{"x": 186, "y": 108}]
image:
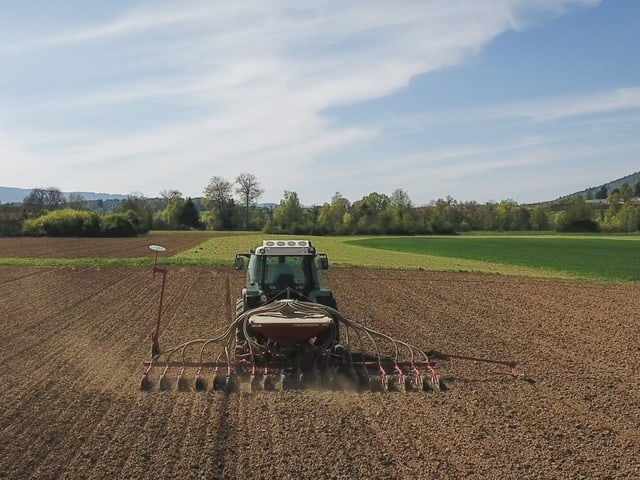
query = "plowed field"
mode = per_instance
[
  {"x": 65, "y": 247},
  {"x": 73, "y": 340}
]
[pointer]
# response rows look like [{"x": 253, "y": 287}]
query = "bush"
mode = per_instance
[
  {"x": 64, "y": 223},
  {"x": 79, "y": 223},
  {"x": 11, "y": 218},
  {"x": 577, "y": 226},
  {"x": 118, "y": 225}
]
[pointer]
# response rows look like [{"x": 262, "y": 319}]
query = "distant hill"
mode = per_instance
[
  {"x": 14, "y": 195},
  {"x": 612, "y": 185}
]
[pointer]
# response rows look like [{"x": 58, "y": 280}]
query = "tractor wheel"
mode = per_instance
[{"x": 239, "y": 307}]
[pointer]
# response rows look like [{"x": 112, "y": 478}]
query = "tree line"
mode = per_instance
[{"x": 232, "y": 205}]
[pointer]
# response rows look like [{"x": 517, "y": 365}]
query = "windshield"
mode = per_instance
[{"x": 293, "y": 271}]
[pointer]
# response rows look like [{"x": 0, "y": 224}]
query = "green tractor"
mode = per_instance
[{"x": 287, "y": 333}]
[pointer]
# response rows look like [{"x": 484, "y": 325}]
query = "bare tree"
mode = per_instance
[
  {"x": 248, "y": 189},
  {"x": 168, "y": 195},
  {"x": 41, "y": 200}
]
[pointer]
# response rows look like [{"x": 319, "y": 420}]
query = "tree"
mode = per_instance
[
  {"x": 75, "y": 201},
  {"x": 399, "y": 213},
  {"x": 167, "y": 194},
  {"x": 615, "y": 201},
  {"x": 217, "y": 198},
  {"x": 440, "y": 214},
  {"x": 288, "y": 217},
  {"x": 540, "y": 217},
  {"x": 169, "y": 217},
  {"x": 366, "y": 213},
  {"x": 331, "y": 218},
  {"x": 626, "y": 192},
  {"x": 627, "y": 219},
  {"x": 577, "y": 218},
  {"x": 189, "y": 215},
  {"x": 249, "y": 191},
  {"x": 512, "y": 216},
  {"x": 400, "y": 198},
  {"x": 636, "y": 190},
  {"x": 602, "y": 193},
  {"x": 41, "y": 200},
  {"x": 139, "y": 210}
]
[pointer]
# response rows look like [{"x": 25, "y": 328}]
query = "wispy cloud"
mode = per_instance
[
  {"x": 173, "y": 92},
  {"x": 579, "y": 105}
]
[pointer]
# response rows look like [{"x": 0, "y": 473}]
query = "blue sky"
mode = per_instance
[{"x": 478, "y": 100}]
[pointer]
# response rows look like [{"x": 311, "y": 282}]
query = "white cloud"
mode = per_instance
[
  {"x": 226, "y": 87},
  {"x": 580, "y": 105}
]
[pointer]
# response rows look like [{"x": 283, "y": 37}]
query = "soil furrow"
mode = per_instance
[{"x": 74, "y": 341}]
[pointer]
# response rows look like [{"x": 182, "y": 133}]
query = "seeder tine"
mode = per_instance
[
  {"x": 231, "y": 384},
  {"x": 183, "y": 383},
  {"x": 217, "y": 382},
  {"x": 288, "y": 382},
  {"x": 381, "y": 384},
  {"x": 200, "y": 384},
  {"x": 145, "y": 383},
  {"x": 415, "y": 380},
  {"x": 436, "y": 383},
  {"x": 294, "y": 381},
  {"x": 328, "y": 380},
  {"x": 268, "y": 384},
  {"x": 399, "y": 383},
  {"x": 255, "y": 383},
  {"x": 378, "y": 383},
  {"x": 164, "y": 382},
  {"x": 301, "y": 380},
  {"x": 317, "y": 378},
  {"x": 363, "y": 382}
]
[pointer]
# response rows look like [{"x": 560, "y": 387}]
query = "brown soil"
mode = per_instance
[
  {"x": 57, "y": 247},
  {"x": 73, "y": 340}
]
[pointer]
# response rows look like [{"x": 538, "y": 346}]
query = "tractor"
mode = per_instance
[{"x": 287, "y": 333}]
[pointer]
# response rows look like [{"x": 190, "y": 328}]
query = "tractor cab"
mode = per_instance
[{"x": 291, "y": 267}]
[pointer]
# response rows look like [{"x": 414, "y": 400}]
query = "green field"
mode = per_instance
[
  {"x": 589, "y": 257},
  {"x": 595, "y": 257},
  {"x": 581, "y": 257}
]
